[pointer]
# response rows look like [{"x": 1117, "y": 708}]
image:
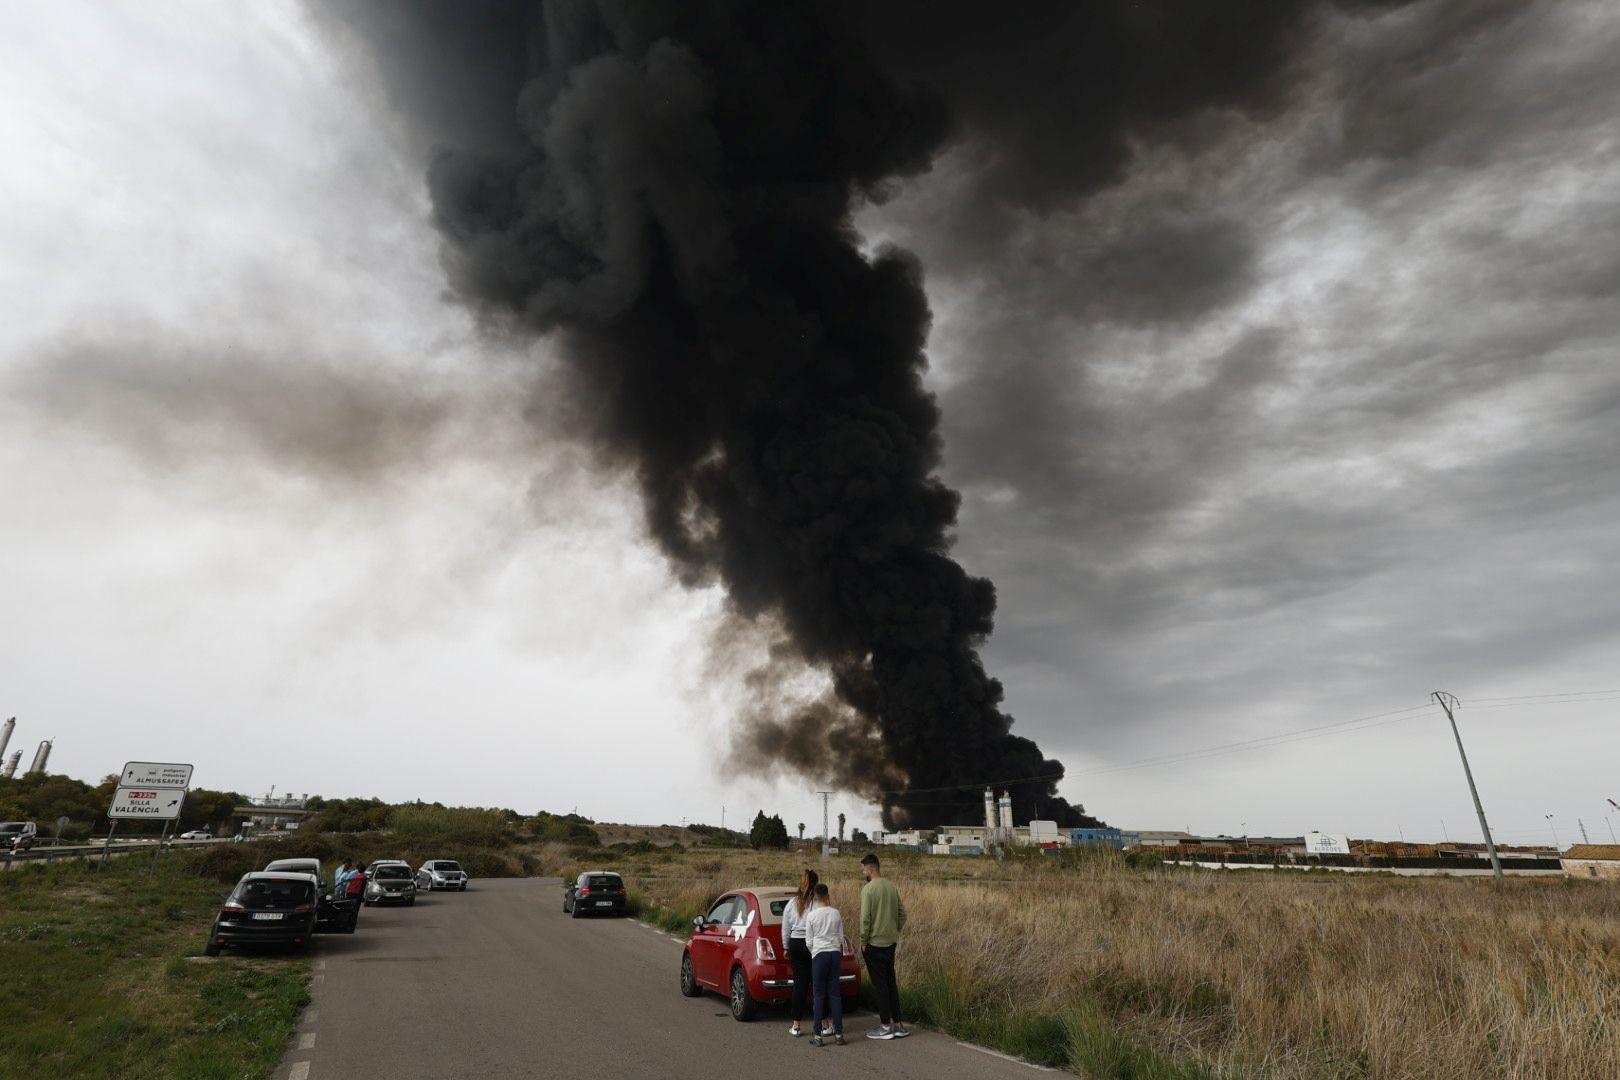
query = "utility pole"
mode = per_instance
[
  {"x": 1557, "y": 843},
  {"x": 1582, "y": 824},
  {"x": 722, "y": 819},
  {"x": 1443, "y": 830},
  {"x": 825, "y": 795},
  {"x": 1449, "y": 702}
]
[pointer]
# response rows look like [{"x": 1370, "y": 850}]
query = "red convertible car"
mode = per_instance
[{"x": 736, "y": 950}]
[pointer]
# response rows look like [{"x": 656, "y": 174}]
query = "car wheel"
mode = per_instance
[
  {"x": 411, "y": 902},
  {"x": 743, "y": 1005},
  {"x": 689, "y": 983},
  {"x": 211, "y": 949},
  {"x": 575, "y": 912}
]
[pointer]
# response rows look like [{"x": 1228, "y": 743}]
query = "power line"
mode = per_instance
[
  {"x": 1530, "y": 697},
  {"x": 1261, "y": 742}
]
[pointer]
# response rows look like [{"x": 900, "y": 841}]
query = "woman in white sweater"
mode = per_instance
[
  {"x": 824, "y": 936},
  {"x": 798, "y": 953}
]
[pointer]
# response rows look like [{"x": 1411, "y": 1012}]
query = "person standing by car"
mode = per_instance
[
  {"x": 824, "y": 936},
  {"x": 793, "y": 937},
  {"x": 882, "y": 916}
]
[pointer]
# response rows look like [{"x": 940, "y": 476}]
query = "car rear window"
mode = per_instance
[
  {"x": 604, "y": 881},
  {"x": 443, "y": 865},
  {"x": 777, "y": 907},
  {"x": 255, "y": 895},
  {"x": 392, "y": 872}
]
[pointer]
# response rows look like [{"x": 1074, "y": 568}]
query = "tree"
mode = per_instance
[
  {"x": 858, "y": 837},
  {"x": 840, "y": 828},
  {"x": 801, "y": 830},
  {"x": 768, "y": 832}
]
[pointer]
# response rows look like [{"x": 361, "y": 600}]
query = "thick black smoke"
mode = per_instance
[{"x": 667, "y": 190}]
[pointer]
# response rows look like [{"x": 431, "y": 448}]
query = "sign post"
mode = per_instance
[{"x": 151, "y": 791}]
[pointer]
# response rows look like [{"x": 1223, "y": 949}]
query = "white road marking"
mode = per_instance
[
  {"x": 299, "y": 1071},
  {"x": 320, "y": 965},
  {"x": 306, "y": 1041},
  {"x": 1007, "y": 1057},
  {"x": 309, "y": 1016},
  {"x": 318, "y": 980}
]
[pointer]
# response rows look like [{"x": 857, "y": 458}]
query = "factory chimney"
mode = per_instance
[
  {"x": 11, "y": 766},
  {"x": 41, "y": 756},
  {"x": 1006, "y": 815},
  {"x": 990, "y": 811},
  {"x": 5, "y": 734}
]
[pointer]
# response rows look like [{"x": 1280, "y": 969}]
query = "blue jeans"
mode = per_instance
[{"x": 828, "y": 998}]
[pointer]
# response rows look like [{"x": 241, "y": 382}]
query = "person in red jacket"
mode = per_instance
[{"x": 354, "y": 890}]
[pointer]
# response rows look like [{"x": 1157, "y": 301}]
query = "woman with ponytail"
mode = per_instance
[{"x": 793, "y": 939}]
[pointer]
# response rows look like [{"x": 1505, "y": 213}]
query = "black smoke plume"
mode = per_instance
[{"x": 666, "y": 190}]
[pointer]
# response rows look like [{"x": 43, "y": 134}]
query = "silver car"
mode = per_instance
[
  {"x": 441, "y": 874},
  {"x": 391, "y": 883}
]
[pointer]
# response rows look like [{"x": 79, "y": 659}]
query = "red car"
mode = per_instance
[{"x": 736, "y": 950}]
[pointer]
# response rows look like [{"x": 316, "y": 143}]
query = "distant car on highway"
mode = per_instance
[
  {"x": 266, "y": 909},
  {"x": 441, "y": 874},
  {"x": 736, "y": 950},
  {"x": 17, "y": 835},
  {"x": 595, "y": 892},
  {"x": 197, "y": 834},
  {"x": 390, "y": 883}
]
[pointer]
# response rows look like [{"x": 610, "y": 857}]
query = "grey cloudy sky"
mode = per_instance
[{"x": 1307, "y": 411}]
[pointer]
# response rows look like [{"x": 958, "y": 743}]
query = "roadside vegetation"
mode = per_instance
[
  {"x": 1089, "y": 963},
  {"x": 103, "y": 977}
]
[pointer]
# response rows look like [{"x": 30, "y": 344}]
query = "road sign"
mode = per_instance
[
  {"x": 155, "y": 774},
  {"x": 150, "y": 803}
]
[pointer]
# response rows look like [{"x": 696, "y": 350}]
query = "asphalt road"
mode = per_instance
[{"x": 497, "y": 982}]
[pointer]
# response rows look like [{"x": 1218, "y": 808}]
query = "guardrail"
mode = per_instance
[{"x": 93, "y": 849}]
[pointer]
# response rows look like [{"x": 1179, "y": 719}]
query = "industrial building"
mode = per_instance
[{"x": 1593, "y": 861}]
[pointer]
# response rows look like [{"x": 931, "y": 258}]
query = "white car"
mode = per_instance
[
  {"x": 441, "y": 874},
  {"x": 197, "y": 834}
]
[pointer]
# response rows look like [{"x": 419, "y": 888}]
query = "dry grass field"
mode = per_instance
[{"x": 1156, "y": 972}]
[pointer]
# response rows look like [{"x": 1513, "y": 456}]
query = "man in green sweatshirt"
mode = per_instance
[{"x": 882, "y": 916}]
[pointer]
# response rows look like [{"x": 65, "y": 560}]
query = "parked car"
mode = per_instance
[
  {"x": 595, "y": 892},
  {"x": 334, "y": 914},
  {"x": 736, "y": 950},
  {"x": 197, "y": 834},
  {"x": 17, "y": 835},
  {"x": 390, "y": 883},
  {"x": 371, "y": 868},
  {"x": 441, "y": 874},
  {"x": 266, "y": 909}
]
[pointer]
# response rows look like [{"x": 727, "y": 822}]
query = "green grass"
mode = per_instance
[{"x": 103, "y": 977}]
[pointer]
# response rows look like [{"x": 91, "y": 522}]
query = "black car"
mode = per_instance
[
  {"x": 595, "y": 892},
  {"x": 266, "y": 909}
]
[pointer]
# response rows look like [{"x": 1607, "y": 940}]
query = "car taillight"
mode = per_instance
[
  {"x": 303, "y": 909},
  {"x": 849, "y": 950},
  {"x": 764, "y": 950},
  {"x": 586, "y": 891},
  {"x": 232, "y": 905}
]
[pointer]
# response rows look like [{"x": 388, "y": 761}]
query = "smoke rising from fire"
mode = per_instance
[{"x": 667, "y": 191}]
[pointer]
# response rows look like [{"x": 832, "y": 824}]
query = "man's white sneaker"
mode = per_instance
[
  {"x": 900, "y": 1032},
  {"x": 793, "y": 1030},
  {"x": 880, "y": 1032}
]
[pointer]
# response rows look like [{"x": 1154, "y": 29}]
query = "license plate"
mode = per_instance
[
  {"x": 267, "y": 915},
  {"x": 604, "y": 903}
]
